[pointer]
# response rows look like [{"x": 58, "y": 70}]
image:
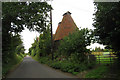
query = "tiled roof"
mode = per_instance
[{"x": 65, "y": 27}]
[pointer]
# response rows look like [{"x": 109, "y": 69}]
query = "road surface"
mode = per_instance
[{"x": 30, "y": 68}]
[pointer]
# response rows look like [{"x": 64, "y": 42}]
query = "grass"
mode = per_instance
[
  {"x": 10, "y": 65},
  {"x": 104, "y": 57},
  {"x": 99, "y": 72},
  {"x": 103, "y": 71}
]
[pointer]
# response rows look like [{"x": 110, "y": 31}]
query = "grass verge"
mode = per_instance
[
  {"x": 98, "y": 72},
  {"x": 13, "y": 63}
]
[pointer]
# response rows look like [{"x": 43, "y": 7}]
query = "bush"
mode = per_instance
[
  {"x": 66, "y": 66},
  {"x": 75, "y": 44},
  {"x": 43, "y": 60},
  {"x": 22, "y": 55},
  {"x": 79, "y": 67},
  {"x": 56, "y": 65}
]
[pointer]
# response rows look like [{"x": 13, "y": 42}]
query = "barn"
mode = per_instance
[{"x": 65, "y": 27}]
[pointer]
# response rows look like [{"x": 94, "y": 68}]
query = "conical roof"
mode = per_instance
[{"x": 65, "y": 27}]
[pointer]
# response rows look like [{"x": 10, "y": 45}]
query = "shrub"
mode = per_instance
[
  {"x": 66, "y": 66},
  {"x": 76, "y": 43},
  {"x": 44, "y": 60},
  {"x": 22, "y": 55},
  {"x": 56, "y": 65}
]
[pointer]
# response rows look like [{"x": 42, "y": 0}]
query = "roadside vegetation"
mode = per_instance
[
  {"x": 98, "y": 72},
  {"x": 13, "y": 54},
  {"x": 70, "y": 56},
  {"x": 15, "y": 17},
  {"x": 11, "y": 64}
]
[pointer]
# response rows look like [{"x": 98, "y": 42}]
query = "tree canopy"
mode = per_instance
[
  {"x": 107, "y": 24},
  {"x": 32, "y": 15},
  {"x": 16, "y": 16},
  {"x": 75, "y": 45},
  {"x": 42, "y": 45}
]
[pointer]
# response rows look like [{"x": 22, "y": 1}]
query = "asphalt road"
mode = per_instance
[{"x": 30, "y": 68}]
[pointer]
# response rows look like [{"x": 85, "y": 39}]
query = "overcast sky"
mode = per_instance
[{"x": 82, "y": 14}]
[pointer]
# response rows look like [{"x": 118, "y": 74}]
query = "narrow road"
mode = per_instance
[{"x": 30, "y": 68}]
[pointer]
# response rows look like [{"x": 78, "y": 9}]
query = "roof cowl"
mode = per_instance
[
  {"x": 59, "y": 23},
  {"x": 67, "y": 13}
]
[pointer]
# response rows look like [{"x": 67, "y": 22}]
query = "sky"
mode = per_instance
[{"x": 82, "y": 14}]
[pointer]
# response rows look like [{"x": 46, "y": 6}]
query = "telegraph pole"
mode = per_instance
[{"x": 51, "y": 34}]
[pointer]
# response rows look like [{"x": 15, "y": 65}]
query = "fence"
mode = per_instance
[{"x": 104, "y": 57}]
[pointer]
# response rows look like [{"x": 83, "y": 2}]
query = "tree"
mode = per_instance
[
  {"x": 15, "y": 47},
  {"x": 42, "y": 45},
  {"x": 32, "y": 15},
  {"x": 75, "y": 45},
  {"x": 17, "y": 15},
  {"x": 107, "y": 24}
]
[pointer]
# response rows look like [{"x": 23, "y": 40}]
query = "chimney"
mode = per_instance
[{"x": 67, "y": 13}]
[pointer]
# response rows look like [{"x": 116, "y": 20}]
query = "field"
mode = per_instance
[{"x": 104, "y": 57}]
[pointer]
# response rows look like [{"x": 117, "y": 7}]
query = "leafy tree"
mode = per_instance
[
  {"x": 41, "y": 45},
  {"x": 45, "y": 43},
  {"x": 75, "y": 45},
  {"x": 32, "y": 15},
  {"x": 107, "y": 24},
  {"x": 15, "y": 46},
  {"x": 16, "y": 16}
]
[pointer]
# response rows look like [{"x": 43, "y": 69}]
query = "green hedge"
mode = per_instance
[{"x": 65, "y": 66}]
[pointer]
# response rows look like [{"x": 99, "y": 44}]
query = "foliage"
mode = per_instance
[
  {"x": 15, "y": 47},
  {"x": 12, "y": 53},
  {"x": 41, "y": 45},
  {"x": 70, "y": 56},
  {"x": 44, "y": 60},
  {"x": 45, "y": 42},
  {"x": 16, "y": 16},
  {"x": 98, "y": 72},
  {"x": 107, "y": 24},
  {"x": 32, "y": 15},
  {"x": 65, "y": 65},
  {"x": 74, "y": 45},
  {"x": 12, "y": 63}
]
